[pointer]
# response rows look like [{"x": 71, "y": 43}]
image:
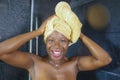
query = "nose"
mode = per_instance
[{"x": 56, "y": 45}]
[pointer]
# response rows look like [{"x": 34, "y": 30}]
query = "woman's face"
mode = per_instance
[{"x": 56, "y": 45}]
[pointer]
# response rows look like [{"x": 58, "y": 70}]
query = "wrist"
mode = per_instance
[
  {"x": 81, "y": 35},
  {"x": 38, "y": 32}
]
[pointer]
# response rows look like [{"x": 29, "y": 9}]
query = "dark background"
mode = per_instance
[{"x": 15, "y": 19}]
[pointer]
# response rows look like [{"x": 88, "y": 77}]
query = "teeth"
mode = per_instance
[{"x": 56, "y": 52}]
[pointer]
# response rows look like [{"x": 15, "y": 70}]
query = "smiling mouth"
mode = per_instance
[{"x": 56, "y": 54}]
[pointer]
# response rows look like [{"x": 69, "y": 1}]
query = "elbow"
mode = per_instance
[{"x": 108, "y": 61}]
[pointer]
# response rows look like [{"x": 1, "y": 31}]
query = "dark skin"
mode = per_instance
[{"x": 56, "y": 66}]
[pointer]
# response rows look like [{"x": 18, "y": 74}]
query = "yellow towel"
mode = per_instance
[{"x": 64, "y": 21}]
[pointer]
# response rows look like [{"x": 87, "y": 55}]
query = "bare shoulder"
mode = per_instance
[
  {"x": 73, "y": 60},
  {"x": 20, "y": 59},
  {"x": 35, "y": 57}
]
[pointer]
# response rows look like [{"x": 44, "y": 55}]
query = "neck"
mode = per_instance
[{"x": 57, "y": 63}]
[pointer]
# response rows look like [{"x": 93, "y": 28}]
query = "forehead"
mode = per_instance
[{"x": 56, "y": 34}]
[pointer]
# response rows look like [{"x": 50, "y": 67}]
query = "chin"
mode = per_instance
[{"x": 56, "y": 58}]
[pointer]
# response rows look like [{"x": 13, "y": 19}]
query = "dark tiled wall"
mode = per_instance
[
  {"x": 108, "y": 38},
  {"x": 15, "y": 19},
  {"x": 107, "y": 75}
]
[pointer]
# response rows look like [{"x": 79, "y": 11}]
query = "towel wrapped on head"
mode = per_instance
[{"x": 64, "y": 21}]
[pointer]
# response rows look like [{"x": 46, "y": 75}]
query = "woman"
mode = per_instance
[{"x": 56, "y": 66}]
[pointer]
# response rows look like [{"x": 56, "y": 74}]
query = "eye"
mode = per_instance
[
  {"x": 63, "y": 40},
  {"x": 50, "y": 40}
]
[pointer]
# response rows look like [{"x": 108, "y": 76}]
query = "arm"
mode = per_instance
[
  {"x": 14, "y": 43},
  {"x": 98, "y": 58},
  {"x": 9, "y": 53}
]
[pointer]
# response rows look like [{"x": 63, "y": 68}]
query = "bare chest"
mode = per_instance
[{"x": 49, "y": 72}]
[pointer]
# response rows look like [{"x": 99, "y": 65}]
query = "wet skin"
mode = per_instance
[{"x": 56, "y": 66}]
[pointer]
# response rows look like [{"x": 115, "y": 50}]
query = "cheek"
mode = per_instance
[
  {"x": 65, "y": 47},
  {"x": 47, "y": 47}
]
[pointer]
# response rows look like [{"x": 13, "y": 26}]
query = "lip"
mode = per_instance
[{"x": 56, "y": 54}]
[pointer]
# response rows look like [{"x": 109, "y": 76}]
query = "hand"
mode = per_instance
[
  {"x": 43, "y": 25},
  {"x": 42, "y": 28},
  {"x": 81, "y": 35}
]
